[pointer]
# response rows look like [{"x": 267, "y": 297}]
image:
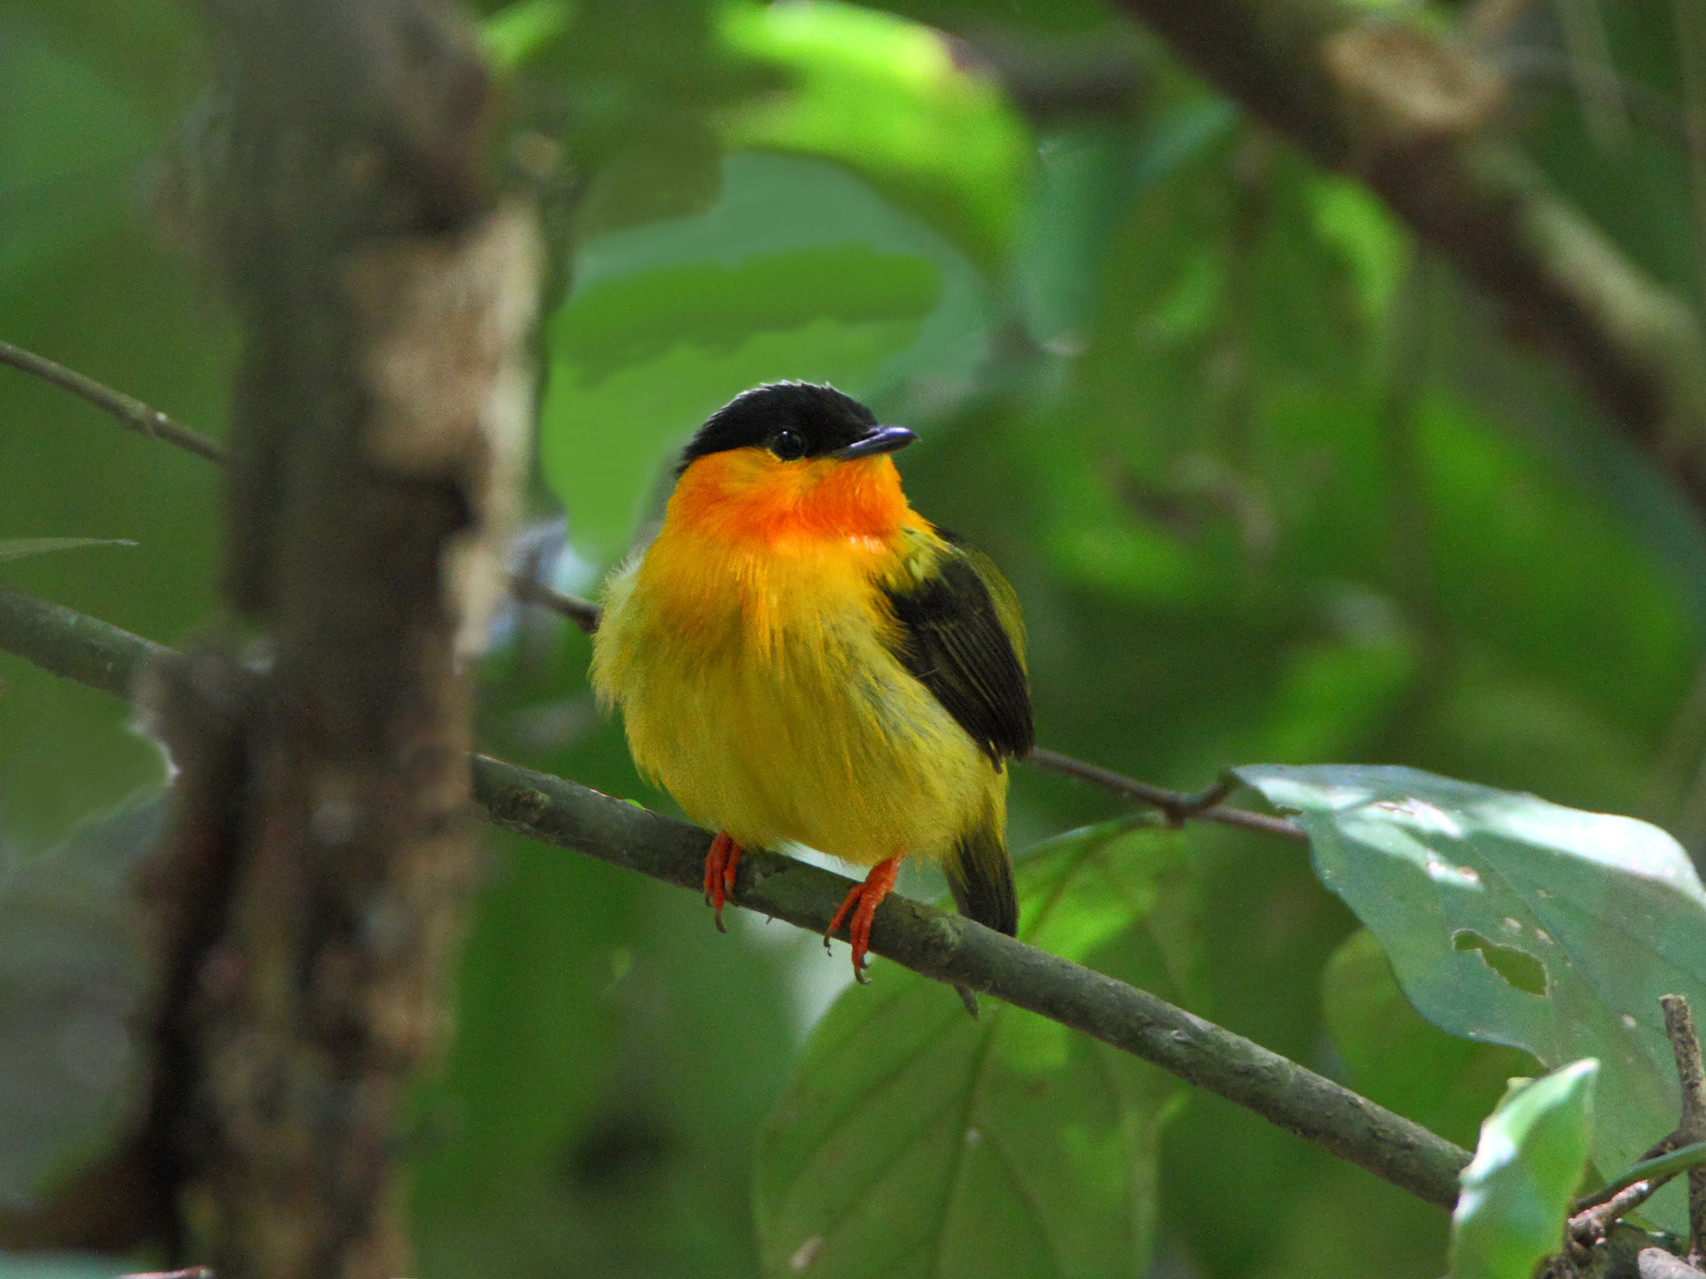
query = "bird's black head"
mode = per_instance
[{"x": 795, "y": 420}]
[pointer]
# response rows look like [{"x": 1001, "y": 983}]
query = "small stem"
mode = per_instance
[
  {"x": 1659, "y": 1169},
  {"x": 127, "y": 409},
  {"x": 1178, "y": 805},
  {"x": 1685, "y": 1046},
  {"x": 1589, "y": 1226},
  {"x": 583, "y": 613}
]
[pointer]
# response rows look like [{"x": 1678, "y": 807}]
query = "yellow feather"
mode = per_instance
[{"x": 758, "y": 687}]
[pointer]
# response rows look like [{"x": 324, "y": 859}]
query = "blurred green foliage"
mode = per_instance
[
  {"x": 1270, "y": 483},
  {"x": 915, "y": 1141}
]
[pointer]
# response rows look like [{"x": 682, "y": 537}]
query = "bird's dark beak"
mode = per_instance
[{"x": 879, "y": 439}]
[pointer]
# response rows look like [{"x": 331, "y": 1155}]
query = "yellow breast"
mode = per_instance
[{"x": 752, "y": 662}]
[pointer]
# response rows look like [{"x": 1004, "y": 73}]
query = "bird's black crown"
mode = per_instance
[{"x": 791, "y": 419}]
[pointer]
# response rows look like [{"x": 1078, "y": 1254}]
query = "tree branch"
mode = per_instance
[
  {"x": 127, "y": 409},
  {"x": 1178, "y": 806},
  {"x": 1414, "y": 117},
  {"x": 929, "y": 941},
  {"x": 583, "y": 613}
]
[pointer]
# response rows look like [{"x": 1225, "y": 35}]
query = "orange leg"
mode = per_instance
[
  {"x": 720, "y": 864},
  {"x": 863, "y": 899}
]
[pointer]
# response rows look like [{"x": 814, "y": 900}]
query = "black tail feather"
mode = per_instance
[{"x": 980, "y": 874}]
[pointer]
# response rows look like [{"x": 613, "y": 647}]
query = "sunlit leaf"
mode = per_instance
[
  {"x": 519, "y": 30},
  {"x": 1517, "y": 1190},
  {"x": 915, "y": 1141},
  {"x": 1352, "y": 219},
  {"x": 1516, "y": 921},
  {"x": 888, "y": 96}
]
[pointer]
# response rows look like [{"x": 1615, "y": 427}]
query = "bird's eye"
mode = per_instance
[{"x": 788, "y": 445}]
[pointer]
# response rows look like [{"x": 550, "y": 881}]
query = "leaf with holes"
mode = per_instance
[
  {"x": 912, "y": 1140},
  {"x": 1515, "y": 921},
  {"x": 17, "y": 548},
  {"x": 1528, "y": 1163}
]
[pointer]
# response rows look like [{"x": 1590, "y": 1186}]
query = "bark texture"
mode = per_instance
[{"x": 311, "y": 894}]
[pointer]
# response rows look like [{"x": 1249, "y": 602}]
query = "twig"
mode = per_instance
[
  {"x": 1177, "y": 805},
  {"x": 133, "y": 413},
  {"x": 127, "y": 409},
  {"x": 1691, "y": 1130},
  {"x": 1589, "y": 1226},
  {"x": 938, "y": 945},
  {"x": 583, "y": 613},
  {"x": 1658, "y": 1170}
]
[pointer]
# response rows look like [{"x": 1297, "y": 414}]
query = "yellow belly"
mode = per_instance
[{"x": 763, "y": 698}]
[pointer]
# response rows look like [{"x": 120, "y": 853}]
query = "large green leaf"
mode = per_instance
[
  {"x": 1517, "y": 1189},
  {"x": 1516, "y": 921},
  {"x": 890, "y": 97},
  {"x": 1397, "y": 1057},
  {"x": 912, "y": 1140}
]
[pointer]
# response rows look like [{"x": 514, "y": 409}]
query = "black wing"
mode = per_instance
[{"x": 953, "y": 640}]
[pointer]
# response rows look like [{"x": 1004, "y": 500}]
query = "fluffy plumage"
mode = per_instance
[{"x": 801, "y": 656}]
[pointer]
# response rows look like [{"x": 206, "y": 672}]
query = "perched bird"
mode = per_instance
[{"x": 799, "y": 655}]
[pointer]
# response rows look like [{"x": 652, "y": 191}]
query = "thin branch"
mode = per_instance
[
  {"x": 583, "y": 613},
  {"x": 1589, "y": 1226},
  {"x": 934, "y": 943},
  {"x": 127, "y": 409},
  {"x": 1414, "y": 116},
  {"x": 1658, "y": 1169},
  {"x": 1178, "y": 806},
  {"x": 1691, "y": 1129}
]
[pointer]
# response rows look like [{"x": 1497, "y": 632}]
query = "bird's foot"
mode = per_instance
[
  {"x": 720, "y": 864},
  {"x": 863, "y": 900}
]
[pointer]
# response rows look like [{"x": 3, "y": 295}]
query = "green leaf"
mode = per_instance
[
  {"x": 1515, "y": 921},
  {"x": 516, "y": 32},
  {"x": 17, "y": 548},
  {"x": 912, "y": 1140},
  {"x": 1397, "y": 1057},
  {"x": 1352, "y": 219},
  {"x": 888, "y": 96},
  {"x": 1517, "y": 1189}
]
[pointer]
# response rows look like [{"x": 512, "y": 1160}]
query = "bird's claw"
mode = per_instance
[{"x": 721, "y": 862}]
